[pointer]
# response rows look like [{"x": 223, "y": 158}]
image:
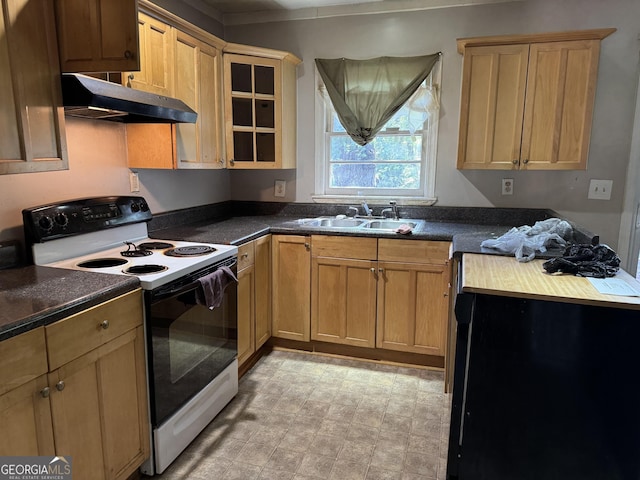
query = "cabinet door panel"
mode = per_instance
[
  {"x": 32, "y": 115},
  {"x": 25, "y": 417},
  {"x": 123, "y": 398},
  {"x": 186, "y": 74},
  {"x": 196, "y": 84},
  {"x": 558, "y": 109},
  {"x": 98, "y": 35},
  {"x": 262, "y": 290},
  {"x": 492, "y": 100},
  {"x": 246, "y": 314},
  {"x": 291, "y": 263},
  {"x": 253, "y": 111},
  {"x": 343, "y": 301},
  {"x": 157, "y": 52},
  {"x": 412, "y": 307},
  {"x": 76, "y": 416}
]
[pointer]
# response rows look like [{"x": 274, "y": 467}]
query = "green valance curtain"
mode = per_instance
[{"x": 367, "y": 93}]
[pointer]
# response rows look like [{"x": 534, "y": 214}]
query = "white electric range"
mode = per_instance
[{"x": 191, "y": 349}]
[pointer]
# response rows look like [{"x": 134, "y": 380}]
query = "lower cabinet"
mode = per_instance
[
  {"x": 413, "y": 296},
  {"x": 291, "y": 266},
  {"x": 366, "y": 292},
  {"x": 92, "y": 405},
  {"x": 254, "y": 296},
  {"x": 25, "y": 413},
  {"x": 343, "y": 290}
]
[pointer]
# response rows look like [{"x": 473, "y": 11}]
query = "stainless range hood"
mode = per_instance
[{"x": 90, "y": 97}]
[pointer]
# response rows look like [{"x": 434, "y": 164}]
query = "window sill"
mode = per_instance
[{"x": 373, "y": 199}]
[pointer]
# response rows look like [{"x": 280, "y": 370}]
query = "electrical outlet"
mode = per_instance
[
  {"x": 134, "y": 182},
  {"x": 600, "y": 189},
  {"x": 507, "y": 186},
  {"x": 279, "y": 188}
]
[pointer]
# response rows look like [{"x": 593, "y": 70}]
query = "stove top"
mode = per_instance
[
  {"x": 153, "y": 270},
  {"x": 109, "y": 235}
]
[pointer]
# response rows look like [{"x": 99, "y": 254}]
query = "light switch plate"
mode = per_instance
[
  {"x": 600, "y": 189},
  {"x": 280, "y": 188}
]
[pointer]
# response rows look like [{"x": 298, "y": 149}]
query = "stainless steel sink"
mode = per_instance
[
  {"x": 334, "y": 222},
  {"x": 390, "y": 224},
  {"x": 387, "y": 225}
]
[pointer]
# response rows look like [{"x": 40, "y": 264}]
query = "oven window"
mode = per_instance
[{"x": 190, "y": 346}]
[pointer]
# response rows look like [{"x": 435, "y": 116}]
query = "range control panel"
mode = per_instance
[{"x": 85, "y": 215}]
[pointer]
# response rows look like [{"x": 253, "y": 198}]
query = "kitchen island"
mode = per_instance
[{"x": 543, "y": 382}]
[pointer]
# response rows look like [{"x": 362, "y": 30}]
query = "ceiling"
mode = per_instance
[
  {"x": 233, "y": 12},
  {"x": 252, "y": 6}
]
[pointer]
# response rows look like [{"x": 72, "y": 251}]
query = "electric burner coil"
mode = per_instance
[{"x": 190, "y": 251}]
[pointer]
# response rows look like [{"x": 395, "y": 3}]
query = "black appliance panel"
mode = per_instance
[{"x": 188, "y": 344}]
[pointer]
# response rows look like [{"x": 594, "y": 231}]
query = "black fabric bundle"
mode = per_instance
[{"x": 597, "y": 261}]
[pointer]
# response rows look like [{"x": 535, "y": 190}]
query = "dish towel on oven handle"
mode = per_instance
[{"x": 212, "y": 288}]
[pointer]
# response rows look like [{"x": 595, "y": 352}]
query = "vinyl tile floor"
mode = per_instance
[{"x": 305, "y": 416}]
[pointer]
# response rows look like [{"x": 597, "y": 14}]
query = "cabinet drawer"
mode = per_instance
[
  {"x": 334, "y": 246},
  {"x": 414, "y": 251},
  {"x": 87, "y": 330},
  {"x": 246, "y": 255},
  {"x": 22, "y": 358}
]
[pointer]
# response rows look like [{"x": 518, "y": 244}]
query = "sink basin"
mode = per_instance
[
  {"x": 334, "y": 222},
  {"x": 388, "y": 225},
  {"x": 393, "y": 224}
]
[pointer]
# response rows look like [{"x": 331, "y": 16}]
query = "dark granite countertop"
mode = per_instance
[
  {"x": 34, "y": 296},
  {"x": 466, "y": 237}
]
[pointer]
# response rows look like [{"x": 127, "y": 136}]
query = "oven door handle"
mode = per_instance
[{"x": 162, "y": 294}]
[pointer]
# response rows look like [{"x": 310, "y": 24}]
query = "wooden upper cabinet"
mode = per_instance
[
  {"x": 197, "y": 83},
  {"x": 31, "y": 113},
  {"x": 260, "y": 107},
  {"x": 98, "y": 35},
  {"x": 157, "y": 47},
  {"x": 182, "y": 61},
  {"x": 527, "y": 100}
]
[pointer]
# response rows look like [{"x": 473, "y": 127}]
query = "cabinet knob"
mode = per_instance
[
  {"x": 244, "y": 255},
  {"x": 525, "y": 161},
  {"x": 381, "y": 270},
  {"x": 306, "y": 245},
  {"x": 373, "y": 270},
  {"x": 232, "y": 162},
  {"x": 104, "y": 324},
  {"x": 45, "y": 392},
  {"x": 515, "y": 161},
  {"x": 60, "y": 386}
]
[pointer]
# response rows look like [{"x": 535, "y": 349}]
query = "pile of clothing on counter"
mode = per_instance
[
  {"x": 525, "y": 241},
  {"x": 597, "y": 261}
]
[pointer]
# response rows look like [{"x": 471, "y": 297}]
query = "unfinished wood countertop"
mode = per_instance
[{"x": 505, "y": 276}]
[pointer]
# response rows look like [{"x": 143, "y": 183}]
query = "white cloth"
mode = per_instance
[{"x": 525, "y": 241}]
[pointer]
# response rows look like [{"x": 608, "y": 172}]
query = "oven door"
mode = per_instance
[{"x": 189, "y": 345}]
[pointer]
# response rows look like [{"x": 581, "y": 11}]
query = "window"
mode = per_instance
[{"x": 398, "y": 163}]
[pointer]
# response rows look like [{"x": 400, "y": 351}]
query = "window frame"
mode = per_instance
[{"x": 325, "y": 194}]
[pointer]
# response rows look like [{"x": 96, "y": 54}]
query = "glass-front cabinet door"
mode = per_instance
[
  {"x": 260, "y": 107},
  {"x": 253, "y": 113}
]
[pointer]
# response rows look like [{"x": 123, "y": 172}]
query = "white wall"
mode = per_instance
[
  {"x": 428, "y": 31},
  {"x": 98, "y": 166}
]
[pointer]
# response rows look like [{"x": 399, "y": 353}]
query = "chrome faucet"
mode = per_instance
[
  {"x": 367, "y": 210},
  {"x": 393, "y": 208}
]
